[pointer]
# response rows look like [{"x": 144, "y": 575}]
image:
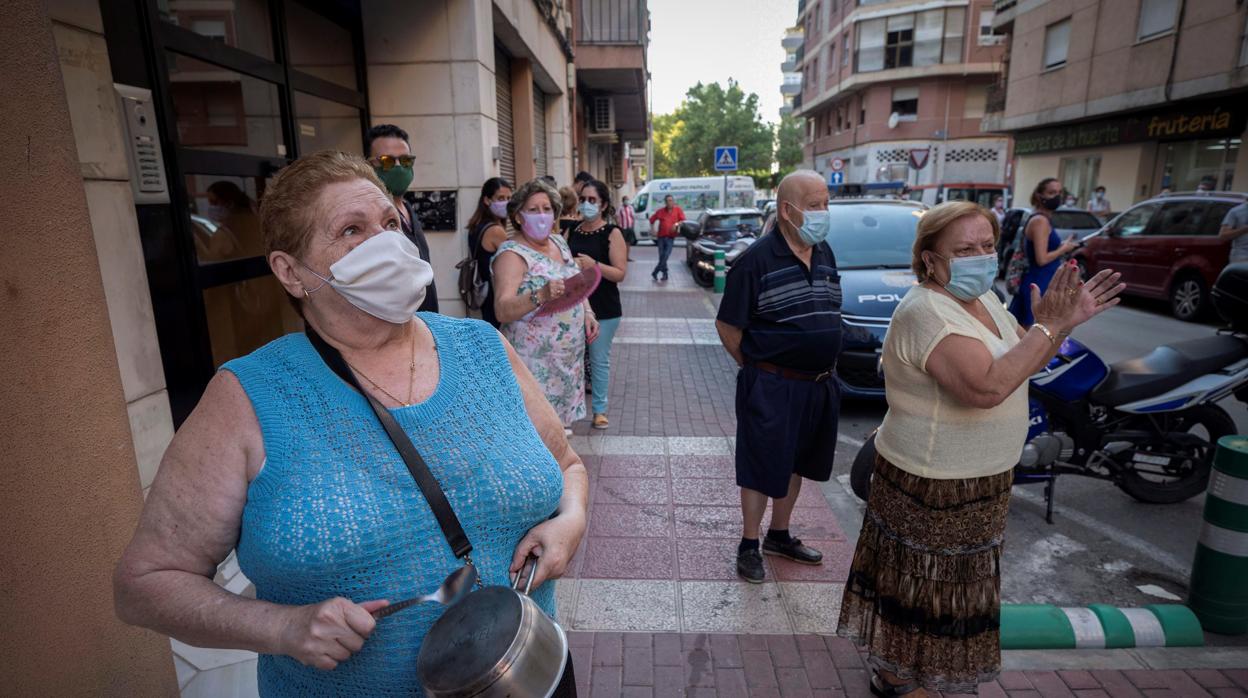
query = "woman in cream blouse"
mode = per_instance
[{"x": 923, "y": 594}]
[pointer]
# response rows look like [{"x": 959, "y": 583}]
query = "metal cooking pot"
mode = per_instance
[{"x": 495, "y": 643}]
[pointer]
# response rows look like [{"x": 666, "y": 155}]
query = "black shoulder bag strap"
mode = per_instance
[{"x": 425, "y": 480}]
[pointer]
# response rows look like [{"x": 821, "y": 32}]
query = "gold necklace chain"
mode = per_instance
[{"x": 411, "y": 378}]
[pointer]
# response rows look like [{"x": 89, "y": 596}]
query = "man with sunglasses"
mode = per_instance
[{"x": 390, "y": 154}]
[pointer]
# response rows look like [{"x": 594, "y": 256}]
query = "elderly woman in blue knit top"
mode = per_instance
[{"x": 287, "y": 463}]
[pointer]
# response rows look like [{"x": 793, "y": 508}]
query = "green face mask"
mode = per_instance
[{"x": 397, "y": 179}]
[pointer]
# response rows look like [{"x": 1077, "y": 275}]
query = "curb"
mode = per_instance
[{"x": 1099, "y": 626}]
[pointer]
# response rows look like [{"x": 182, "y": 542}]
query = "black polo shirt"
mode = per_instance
[{"x": 791, "y": 316}]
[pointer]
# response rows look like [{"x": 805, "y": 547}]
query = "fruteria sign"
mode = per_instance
[{"x": 1198, "y": 120}]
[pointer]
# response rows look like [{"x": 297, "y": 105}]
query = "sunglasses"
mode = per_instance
[{"x": 387, "y": 162}]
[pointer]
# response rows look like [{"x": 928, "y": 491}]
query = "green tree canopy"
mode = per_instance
[
  {"x": 710, "y": 116},
  {"x": 789, "y": 153}
]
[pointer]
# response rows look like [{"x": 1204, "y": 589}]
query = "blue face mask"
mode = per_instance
[
  {"x": 589, "y": 210},
  {"x": 971, "y": 277},
  {"x": 814, "y": 228}
]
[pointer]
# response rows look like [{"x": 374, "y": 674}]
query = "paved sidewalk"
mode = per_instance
[{"x": 652, "y": 602}]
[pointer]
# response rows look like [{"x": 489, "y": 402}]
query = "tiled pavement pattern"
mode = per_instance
[
  {"x": 645, "y": 665},
  {"x": 652, "y": 601},
  {"x": 660, "y": 550}
]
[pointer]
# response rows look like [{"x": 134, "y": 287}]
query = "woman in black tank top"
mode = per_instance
[
  {"x": 487, "y": 229},
  {"x": 595, "y": 241}
]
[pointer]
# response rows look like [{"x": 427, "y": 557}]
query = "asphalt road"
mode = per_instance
[{"x": 1104, "y": 547}]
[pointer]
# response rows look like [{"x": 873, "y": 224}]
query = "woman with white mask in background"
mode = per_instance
[
  {"x": 924, "y": 589},
  {"x": 284, "y": 461},
  {"x": 529, "y": 270}
]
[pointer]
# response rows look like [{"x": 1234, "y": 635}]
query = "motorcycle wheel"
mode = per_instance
[
  {"x": 1193, "y": 478},
  {"x": 704, "y": 278},
  {"x": 860, "y": 471}
]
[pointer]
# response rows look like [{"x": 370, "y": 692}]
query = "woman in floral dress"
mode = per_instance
[{"x": 529, "y": 270}]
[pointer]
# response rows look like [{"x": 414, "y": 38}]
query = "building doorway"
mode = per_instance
[{"x": 240, "y": 90}]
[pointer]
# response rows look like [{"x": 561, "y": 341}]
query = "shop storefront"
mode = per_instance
[{"x": 1138, "y": 155}]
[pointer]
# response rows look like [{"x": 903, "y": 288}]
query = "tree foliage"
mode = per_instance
[
  {"x": 789, "y": 152},
  {"x": 710, "y": 116}
]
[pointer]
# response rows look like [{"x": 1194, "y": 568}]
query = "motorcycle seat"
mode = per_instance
[{"x": 1166, "y": 368}]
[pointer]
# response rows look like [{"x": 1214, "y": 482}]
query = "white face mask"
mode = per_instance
[{"x": 384, "y": 276}]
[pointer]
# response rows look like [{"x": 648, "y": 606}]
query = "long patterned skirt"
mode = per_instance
[{"x": 924, "y": 590}]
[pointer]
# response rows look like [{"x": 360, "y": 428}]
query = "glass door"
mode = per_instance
[{"x": 242, "y": 89}]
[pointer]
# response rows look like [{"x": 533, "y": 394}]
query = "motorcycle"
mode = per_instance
[
  {"x": 1148, "y": 424},
  {"x": 702, "y": 247}
]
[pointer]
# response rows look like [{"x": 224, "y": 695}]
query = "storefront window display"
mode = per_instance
[{"x": 1189, "y": 163}]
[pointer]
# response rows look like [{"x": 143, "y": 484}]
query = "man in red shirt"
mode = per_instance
[{"x": 665, "y": 234}]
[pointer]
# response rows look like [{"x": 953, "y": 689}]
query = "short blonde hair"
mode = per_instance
[
  {"x": 567, "y": 199},
  {"x": 936, "y": 220},
  {"x": 525, "y": 192},
  {"x": 286, "y": 211}
]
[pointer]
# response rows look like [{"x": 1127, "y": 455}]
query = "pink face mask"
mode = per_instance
[{"x": 537, "y": 225}]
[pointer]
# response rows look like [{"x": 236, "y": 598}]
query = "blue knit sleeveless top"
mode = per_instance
[{"x": 335, "y": 512}]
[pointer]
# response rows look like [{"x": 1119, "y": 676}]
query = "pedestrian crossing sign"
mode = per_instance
[{"x": 725, "y": 158}]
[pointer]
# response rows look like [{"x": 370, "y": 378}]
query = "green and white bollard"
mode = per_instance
[
  {"x": 1218, "y": 592},
  {"x": 1099, "y": 626},
  {"x": 720, "y": 277}
]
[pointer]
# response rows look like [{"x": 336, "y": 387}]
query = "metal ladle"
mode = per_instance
[{"x": 456, "y": 585}]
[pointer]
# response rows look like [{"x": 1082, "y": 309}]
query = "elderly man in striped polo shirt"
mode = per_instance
[{"x": 780, "y": 319}]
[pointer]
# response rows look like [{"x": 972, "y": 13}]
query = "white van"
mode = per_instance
[{"x": 693, "y": 195}]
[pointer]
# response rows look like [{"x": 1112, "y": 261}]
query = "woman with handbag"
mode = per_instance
[
  {"x": 487, "y": 230},
  {"x": 529, "y": 270},
  {"x": 924, "y": 589},
  {"x": 1042, "y": 246},
  {"x": 286, "y": 462},
  {"x": 595, "y": 241}
]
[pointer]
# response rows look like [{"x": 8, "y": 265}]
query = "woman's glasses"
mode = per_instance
[{"x": 387, "y": 162}]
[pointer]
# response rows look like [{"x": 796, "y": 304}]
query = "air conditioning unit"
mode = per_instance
[{"x": 602, "y": 120}]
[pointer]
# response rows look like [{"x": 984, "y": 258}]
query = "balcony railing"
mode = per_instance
[
  {"x": 791, "y": 88},
  {"x": 793, "y": 38},
  {"x": 789, "y": 66},
  {"x": 618, "y": 22}
]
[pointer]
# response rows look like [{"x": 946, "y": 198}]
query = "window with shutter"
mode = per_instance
[
  {"x": 1056, "y": 41},
  {"x": 506, "y": 135}
]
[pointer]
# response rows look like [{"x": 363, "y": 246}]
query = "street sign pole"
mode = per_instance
[{"x": 725, "y": 161}]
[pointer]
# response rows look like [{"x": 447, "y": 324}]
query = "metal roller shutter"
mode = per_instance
[
  {"x": 539, "y": 131},
  {"x": 506, "y": 134}
]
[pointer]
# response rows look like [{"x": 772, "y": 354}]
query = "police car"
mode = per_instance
[{"x": 872, "y": 239}]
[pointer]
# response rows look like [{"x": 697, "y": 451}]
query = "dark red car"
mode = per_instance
[{"x": 1166, "y": 247}]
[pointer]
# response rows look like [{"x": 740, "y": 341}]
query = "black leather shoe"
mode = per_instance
[
  {"x": 750, "y": 566},
  {"x": 794, "y": 550}
]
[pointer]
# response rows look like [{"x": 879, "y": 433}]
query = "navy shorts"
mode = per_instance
[{"x": 784, "y": 427}]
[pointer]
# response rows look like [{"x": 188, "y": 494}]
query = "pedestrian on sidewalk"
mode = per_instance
[
  {"x": 924, "y": 589},
  {"x": 570, "y": 217},
  {"x": 780, "y": 319},
  {"x": 668, "y": 217},
  {"x": 627, "y": 221},
  {"x": 285, "y": 461},
  {"x": 596, "y": 241},
  {"x": 1042, "y": 245},
  {"x": 390, "y": 154},
  {"x": 1235, "y": 228},
  {"x": 528, "y": 271},
  {"x": 487, "y": 231},
  {"x": 1099, "y": 206}
]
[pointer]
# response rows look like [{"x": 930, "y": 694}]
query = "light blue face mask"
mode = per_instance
[
  {"x": 814, "y": 228},
  {"x": 971, "y": 277},
  {"x": 589, "y": 210}
]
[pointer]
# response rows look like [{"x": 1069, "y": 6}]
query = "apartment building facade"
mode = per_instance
[
  {"x": 1138, "y": 96},
  {"x": 896, "y": 91}
]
